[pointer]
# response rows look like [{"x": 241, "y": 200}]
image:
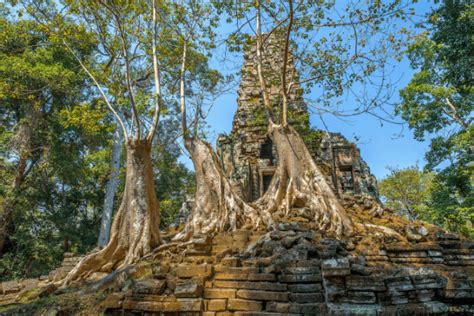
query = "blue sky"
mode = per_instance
[{"x": 381, "y": 145}]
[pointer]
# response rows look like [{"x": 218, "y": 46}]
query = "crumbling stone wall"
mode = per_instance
[
  {"x": 349, "y": 173},
  {"x": 292, "y": 270},
  {"x": 296, "y": 271}
]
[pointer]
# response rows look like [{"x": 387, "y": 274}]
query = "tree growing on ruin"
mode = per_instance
[
  {"x": 132, "y": 70},
  {"x": 297, "y": 182},
  {"x": 331, "y": 44},
  {"x": 217, "y": 206}
]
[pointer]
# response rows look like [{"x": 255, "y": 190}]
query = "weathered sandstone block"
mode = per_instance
[
  {"x": 235, "y": 304},
  {"x": 263, "y": 295}
]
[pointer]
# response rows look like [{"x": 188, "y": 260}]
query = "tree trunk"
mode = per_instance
[
  {"x": 135, "y": 229},
  {"x": 298, "y": 183},
  {"x": 23, "y": 141},
  {"x": 8, "y": 207},
  {"x": 112, "y": 185},
  {"x": 218, "y": 207}
]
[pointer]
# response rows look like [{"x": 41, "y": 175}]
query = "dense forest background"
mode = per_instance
[{"x": 57, "y": 140}]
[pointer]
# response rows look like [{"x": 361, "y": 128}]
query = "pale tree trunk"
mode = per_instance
[
  {"x": 135, "y": 229},
  {"x": 112, "y": 185},
  {"x": 218, "y": 208}
]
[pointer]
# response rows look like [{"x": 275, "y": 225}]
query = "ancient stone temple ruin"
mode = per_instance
[
  {"x": 291, "y": 269},
  {"x": 248, "y": 156}
]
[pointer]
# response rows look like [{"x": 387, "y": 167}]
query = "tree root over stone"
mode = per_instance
[
  {"x": 218, "y": 207},
  {"x": 298, "y": 183}
]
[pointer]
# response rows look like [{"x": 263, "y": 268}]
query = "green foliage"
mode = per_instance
[
  {"x": 439, "y": 101},
  {"x": 445, "y": 58},
  {"x": 407, "y": 190},
  {"x": 173, "y": 183},
  {"x": 259, "y": 117},
  {"x": 451, "y": 203},
  {"x": 55, "y": 195},
  {"x": 432, "y": 197}
]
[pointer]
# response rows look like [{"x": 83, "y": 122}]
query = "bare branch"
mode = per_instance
[
  {"x": 454, "y": 114},
  {"x": 156, "y": 72},
  {"x": 284, "y": 111},
  {"x": 261, "y": 79},
  {"x": 104, "y": 96},
  {"x": 182, "y": 92}
]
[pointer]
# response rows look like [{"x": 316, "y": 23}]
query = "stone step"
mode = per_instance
[
  {"x": 261, "y": 314},
  {"x": 265, "y": 286},
  {"x": 299, "y": 278},
  {"x": 189, "y": 271},
  {"x": 296, "y": 308},
  {"x": 262, "y": 295},
  {"x": 179, "y": 305},
  {"x": 237, "y": 304},
  {"x": 226, "y": 269},
  {"x": 315, "y": 297},
  {"x": 197, "y": 253},
  {"x": 245, "y": 276}
]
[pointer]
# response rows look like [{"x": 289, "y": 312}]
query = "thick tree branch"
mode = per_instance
[
  {"x": 284, "y": 111},
  {"x": 156, "y": 72},
  {"x": 128, "y": 74},
  {"x": 184, "y": 125},
  {"x": 454, "y": 114},
  {"x": 261, "y": 79}
]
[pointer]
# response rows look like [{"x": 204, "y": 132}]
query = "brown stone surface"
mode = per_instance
[
  {"x": 265, "y": 286},
  {"x": 263, "y": 295},
  {"x": 149, "y": 286},
  {"x": 219, "y": 293},
  {"x": 217, "y": 305},
  {"x": 113, "y": 300},
  {"x": 189, "y": 271},
  {"x": 337, "y": 282},
  {"x": 184, "y": 305},
  {"x": 235, "y": 304},
  {"x": 188, "y": 288},
  {"x": 235, "y": 270}
]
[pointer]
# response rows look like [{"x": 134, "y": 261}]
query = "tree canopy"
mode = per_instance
[{"x": 438, "y": 103}]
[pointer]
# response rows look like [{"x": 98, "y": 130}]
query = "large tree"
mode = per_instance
[
  {"x": 132, "y": 71},
  {"x": 407, "y": 191},
  {"x": 335, "y": 49},
  {"x": 37, "y": 80},
  {"x": 438, "y": 103},
  {"x": 217, "y": 206}
]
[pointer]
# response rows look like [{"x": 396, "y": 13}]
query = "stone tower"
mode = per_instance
[{"x": 248, "y": 156}]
